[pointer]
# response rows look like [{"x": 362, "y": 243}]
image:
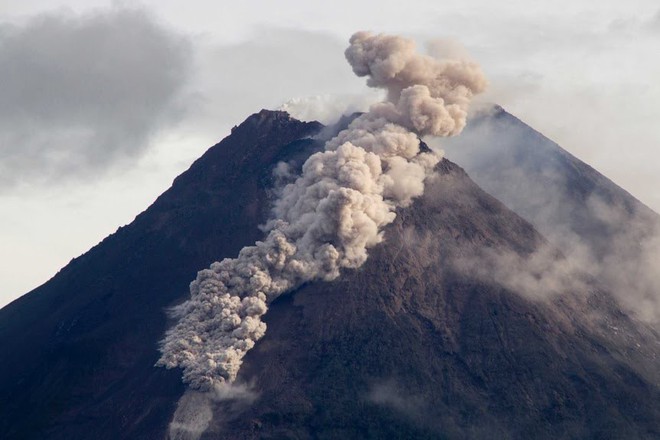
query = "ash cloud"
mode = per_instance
[
  {"x": 326, "y": 220},
  {"x": 81, "y": 93},
  {"x": 192, "y": 417}
]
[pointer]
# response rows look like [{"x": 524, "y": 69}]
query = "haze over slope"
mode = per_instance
[{"x": 600, "y": 227}]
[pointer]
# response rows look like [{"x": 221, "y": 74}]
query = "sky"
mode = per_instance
[{"x": 104, "y": 103}]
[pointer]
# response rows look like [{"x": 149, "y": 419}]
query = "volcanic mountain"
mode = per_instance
[{"x": 431, "y": 338}]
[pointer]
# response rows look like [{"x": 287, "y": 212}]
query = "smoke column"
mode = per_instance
[{"x": 333, "y": 212}]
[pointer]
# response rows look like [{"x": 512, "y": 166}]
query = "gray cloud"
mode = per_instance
[
  {"x": 83, "y": 92},
  {"x": 654, "y": 24}
]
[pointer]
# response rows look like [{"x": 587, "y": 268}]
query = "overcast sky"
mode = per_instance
[{"x": 104, "y": 103}]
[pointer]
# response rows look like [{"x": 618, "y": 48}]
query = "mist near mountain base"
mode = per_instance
[{"x": 194, "y": 411}]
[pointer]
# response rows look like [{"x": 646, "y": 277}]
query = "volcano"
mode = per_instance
[{"x": 425, "y": 340}]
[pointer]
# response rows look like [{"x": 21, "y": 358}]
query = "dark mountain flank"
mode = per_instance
[{"x": 420, "y": 342}]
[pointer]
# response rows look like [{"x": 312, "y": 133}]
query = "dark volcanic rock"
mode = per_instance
[{"x": 408, "y": 346}]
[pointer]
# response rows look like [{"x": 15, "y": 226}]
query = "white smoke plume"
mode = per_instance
[
  {"x": 328, "y": 109},
  {"x": 329, "y": 217}
]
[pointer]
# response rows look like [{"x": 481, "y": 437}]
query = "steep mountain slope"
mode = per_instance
[{"x": 414, "y": 344}]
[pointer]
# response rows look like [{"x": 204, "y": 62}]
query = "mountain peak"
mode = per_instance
[{"x": 264, "y": 119}]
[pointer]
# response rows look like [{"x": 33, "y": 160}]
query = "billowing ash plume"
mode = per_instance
[{"x": 333, "y": 212}]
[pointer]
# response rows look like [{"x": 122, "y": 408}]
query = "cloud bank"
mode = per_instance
[{"x": 81, "y": 93}]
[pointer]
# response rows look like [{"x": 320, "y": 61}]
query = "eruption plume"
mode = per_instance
[{"x": 329, "y": 217}]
